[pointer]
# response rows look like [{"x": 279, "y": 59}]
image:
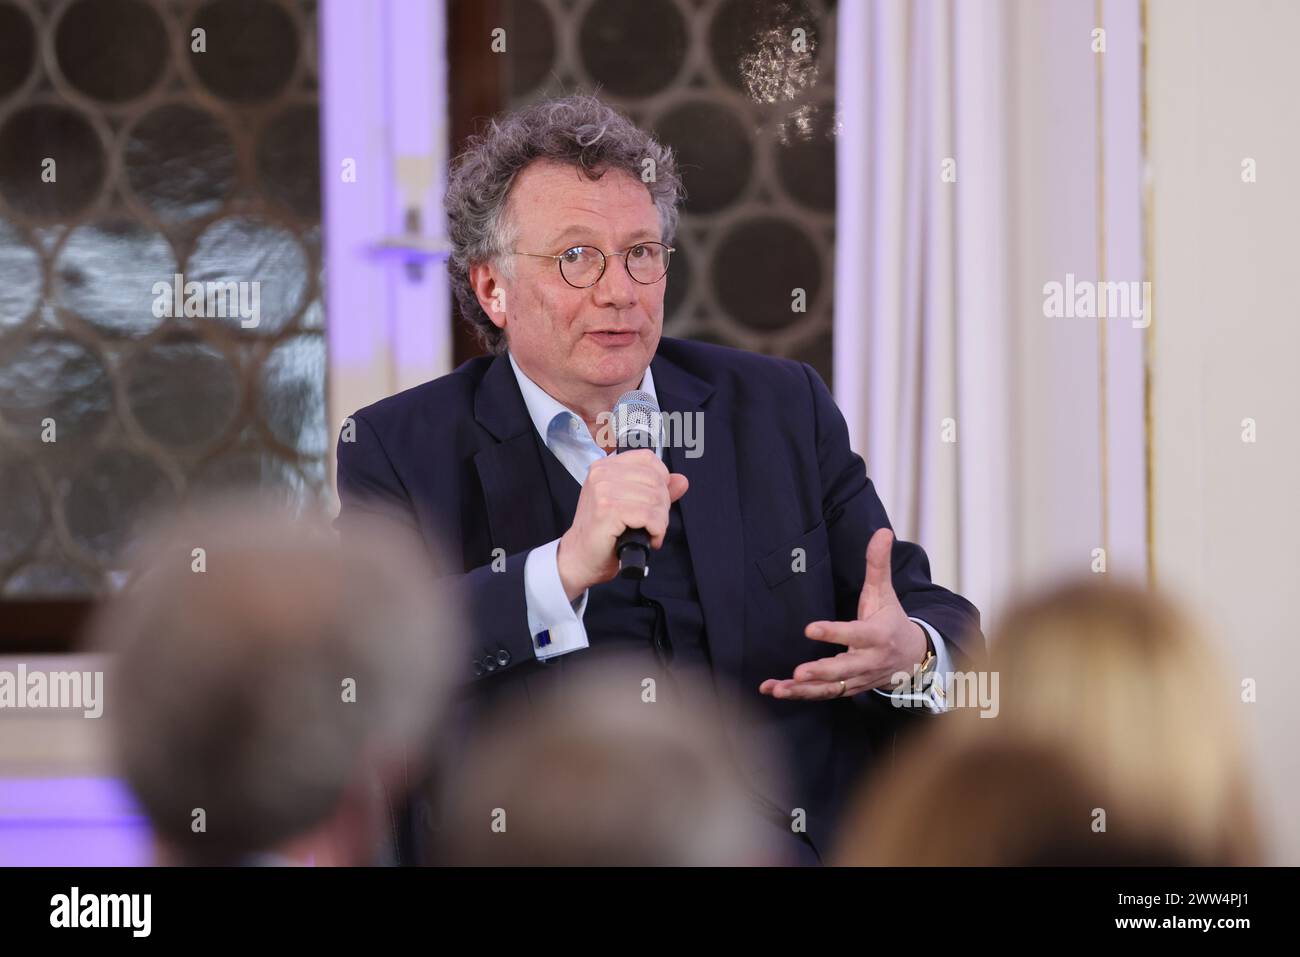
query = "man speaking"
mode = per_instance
[{"x": 772, "y": 570}]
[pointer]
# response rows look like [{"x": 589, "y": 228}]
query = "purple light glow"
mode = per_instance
[{"x": 71, "y": 822}]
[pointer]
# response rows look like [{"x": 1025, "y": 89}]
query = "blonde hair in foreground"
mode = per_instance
[{"x": 1111, "y": 699}]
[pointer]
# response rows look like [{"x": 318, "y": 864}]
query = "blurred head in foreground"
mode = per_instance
[
  {"x": 268, "y": 686},
  {"x": 597, "y": 775},
  {"x": 991, "y": 802},
  {"x": 1110, "y": 699}
]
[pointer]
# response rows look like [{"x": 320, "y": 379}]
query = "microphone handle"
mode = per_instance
[
  {"x": 633, "y": 545},
  {"x": 633, "y": 550}
]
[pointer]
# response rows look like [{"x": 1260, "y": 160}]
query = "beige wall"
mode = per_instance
[
  {"x": 51, "y": 743},
  {"x": 1222, "y": 77}
]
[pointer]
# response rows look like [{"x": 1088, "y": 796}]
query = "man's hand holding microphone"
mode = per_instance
[{"x": 631, "y": 490}]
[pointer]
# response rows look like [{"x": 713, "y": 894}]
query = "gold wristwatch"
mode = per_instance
[{"x": 926, "y": 664}]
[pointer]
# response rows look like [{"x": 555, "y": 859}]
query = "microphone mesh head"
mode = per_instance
[{"x": 636, "y": 421}]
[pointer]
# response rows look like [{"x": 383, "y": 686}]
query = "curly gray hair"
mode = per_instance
[{"x": 579, "y": 130}]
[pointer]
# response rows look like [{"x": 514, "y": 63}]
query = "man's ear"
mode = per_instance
[{"x": 484, "y": 279}]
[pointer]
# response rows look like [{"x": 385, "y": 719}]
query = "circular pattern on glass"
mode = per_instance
[
  {"x": 313, "y": 317},
  {"x": 20, "y": 267},
  {"x": 251, "y": 469},
  {"x": 108, "y": 500},
  {"x": 633, "y": 49},
  {"x": 678, "y": 282},
  {"x": 116, "y": 275},
  {"x": 714, "y": 154},
  {"x": 251, "y": 49},
  {"x": 757, "y": 268},
  {"x": 111, "y": 50},
  {"x": 49, "y": 578},
  {"x": 180, "y": 162},
  {"x": 254, "y": 273},
  {"x": 756, "y": 50},
  {"x": 712, "y": 337},
  {"x": 804, "y": 152},
  {"x": 56, "y": 378},
  {"x": 52, "y": 163},
  {"x": 819, "y": 354},
  {"x": 17, "y": 48},
  {"x": 311, "y": 55},
  {"x": 22, "y": 510},
  {"x": 288, "y": 160},
  {"x": 292, "y": 397},
  {"x": 530, "y": 42},
  {"x": 183, "y": 392}
]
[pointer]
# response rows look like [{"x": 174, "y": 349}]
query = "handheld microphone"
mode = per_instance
[{"x": 636, "y": 424}]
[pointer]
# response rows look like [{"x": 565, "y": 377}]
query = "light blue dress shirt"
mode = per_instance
[{"x": 549, "y": 609}]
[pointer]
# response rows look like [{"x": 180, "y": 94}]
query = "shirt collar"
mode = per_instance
[{"x": 543, "y": 408}]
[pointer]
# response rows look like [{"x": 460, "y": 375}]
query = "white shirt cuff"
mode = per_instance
[
  {"x": 554, "y": 622},
  {"x": 932, "y": 698}
]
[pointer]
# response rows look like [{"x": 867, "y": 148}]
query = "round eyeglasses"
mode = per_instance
[{"x": 582, "y": 266}]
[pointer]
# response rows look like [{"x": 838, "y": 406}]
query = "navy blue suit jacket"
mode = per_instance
[{"x": 458, "y": 459}]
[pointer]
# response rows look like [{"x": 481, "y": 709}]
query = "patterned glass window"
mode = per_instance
[
  {"x": 160, "y": 280},
  {"x": 744, "y": 91}
]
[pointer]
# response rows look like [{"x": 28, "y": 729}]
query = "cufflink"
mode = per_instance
[{"x": 543, "y": 638}]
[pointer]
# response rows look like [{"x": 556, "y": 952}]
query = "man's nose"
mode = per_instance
[{"x": 616, "y": 288}]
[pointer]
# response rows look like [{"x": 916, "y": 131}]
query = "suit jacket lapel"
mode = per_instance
[
  {"x": 517, "y": 499},
  {"x": 715, "y": 533},
  {"x": 710, "y": 513}
]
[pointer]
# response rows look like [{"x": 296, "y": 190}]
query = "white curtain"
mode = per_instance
[{"x": 921, "y": 328}]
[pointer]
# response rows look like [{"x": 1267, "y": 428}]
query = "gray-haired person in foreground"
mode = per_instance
[
  {"x": 267, "y": 686},
  {"x": 605, "y": 773}
]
